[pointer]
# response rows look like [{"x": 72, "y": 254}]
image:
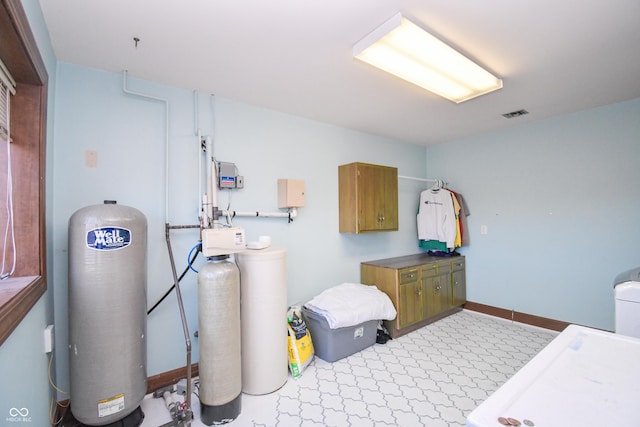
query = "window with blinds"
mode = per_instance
[
  {"x": 24, "y": 288},
  {"x": 7, "y": 88}
]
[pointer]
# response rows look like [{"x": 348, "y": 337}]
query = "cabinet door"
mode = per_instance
[
  {"x": 410, "y": 298},
  {"x": 390, "y": 205},
  {"x": 436, "y": 281},
  {"x": 436, "y": 295},
  {"x": 458, "y": 284},
  {"x": 378, "y": 198}
]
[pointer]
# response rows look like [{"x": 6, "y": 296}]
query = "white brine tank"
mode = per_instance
[
  {"x": 219, "y": 364},
  {"x": 107, "y": 313},
  {"x": 263, "y": 307}
]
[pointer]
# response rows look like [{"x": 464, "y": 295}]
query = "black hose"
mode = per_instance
[{"x": 184, "y": 273}]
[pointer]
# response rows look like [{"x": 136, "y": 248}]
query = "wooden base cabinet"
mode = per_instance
[{"x": 422, "y": 288}]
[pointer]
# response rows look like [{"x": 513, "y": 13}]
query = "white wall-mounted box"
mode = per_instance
[{"x": 290, "y": 193}]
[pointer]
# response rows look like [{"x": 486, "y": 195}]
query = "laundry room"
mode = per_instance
[{"x": 181, "y": 186}]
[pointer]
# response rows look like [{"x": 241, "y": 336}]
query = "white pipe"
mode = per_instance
[
  {"x": 213, "y": 196},
  {"x": 166, "y": 136},
  {"x": 214, "y": 184},
  {"x": 293, "y": 212},
  {"x": 200, "y": 197},
  {"x": 196, "y": 128},
  {"x": 170, "y": 404},
  {"x": 196, "y": 118},
  {"x": 211, "y": 191}
]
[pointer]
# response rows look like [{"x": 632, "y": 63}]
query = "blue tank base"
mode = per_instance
[
  {"x": 220, "y": 414},
  {"x": 134, "y": 419}
]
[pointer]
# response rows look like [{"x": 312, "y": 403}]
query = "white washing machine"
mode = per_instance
[
  {"x": 584, "y": 377},
  {"x": 627, "y": 309}
]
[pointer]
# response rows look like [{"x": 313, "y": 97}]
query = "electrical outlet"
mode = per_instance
[{"x": 48, "y": 339}]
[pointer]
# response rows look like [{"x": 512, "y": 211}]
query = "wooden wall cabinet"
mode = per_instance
[
  {"x": 423, "y": 288},
  {"x": 368, "y": 198}
]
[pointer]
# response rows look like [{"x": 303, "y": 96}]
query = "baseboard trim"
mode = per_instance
[
  {"x": 529, "y": 319},
  {"x": 168, "y": 378},
  {"x": 396, "y": 333}
]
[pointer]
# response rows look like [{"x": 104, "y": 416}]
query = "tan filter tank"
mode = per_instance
[
  {"x": 107, "y": 312},
  {"x": 263, "y": 291},
  {"x": 219, "y": 365}
]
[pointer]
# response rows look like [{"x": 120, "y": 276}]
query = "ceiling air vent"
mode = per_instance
[{"x": 513, "y": 114}]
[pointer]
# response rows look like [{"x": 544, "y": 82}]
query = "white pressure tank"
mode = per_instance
[
  {"x": 627, "y": 308},
  {"x": 107, "y": 313},
  {"x": 219, "y": 365}
]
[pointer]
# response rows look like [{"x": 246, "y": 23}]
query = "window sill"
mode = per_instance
[{"x": 17, "y": 296}]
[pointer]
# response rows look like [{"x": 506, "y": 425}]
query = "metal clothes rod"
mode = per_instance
[
  {"x": 417, "y": 179},
  {"x": 423, "y": 179}
]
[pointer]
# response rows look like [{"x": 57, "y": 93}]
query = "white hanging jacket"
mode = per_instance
[{"x": 436, "y": 217}]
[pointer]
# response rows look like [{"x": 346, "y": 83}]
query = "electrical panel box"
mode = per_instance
[
  {"x": 226, "y": 175},
  {"x": 290, "y": 193},
  {"x": 222, "y": 241}
]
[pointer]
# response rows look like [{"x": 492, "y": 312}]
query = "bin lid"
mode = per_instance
[{"x": 632, "y": 275}]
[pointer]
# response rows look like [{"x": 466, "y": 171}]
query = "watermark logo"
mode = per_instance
[{"x": 18, "y": 415}]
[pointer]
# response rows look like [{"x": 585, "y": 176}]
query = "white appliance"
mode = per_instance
[
  {"x": 627, "y": 295},
  {"x": 584, "y": 377}
]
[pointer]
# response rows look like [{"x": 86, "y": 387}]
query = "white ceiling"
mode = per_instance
[{"x": 294, "y": 56}]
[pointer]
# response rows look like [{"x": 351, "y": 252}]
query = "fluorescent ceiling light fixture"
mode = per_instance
[{"x": 405, "y": 50}]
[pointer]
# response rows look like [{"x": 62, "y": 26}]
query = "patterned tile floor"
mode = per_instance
[{"x": 433, "y": 377}]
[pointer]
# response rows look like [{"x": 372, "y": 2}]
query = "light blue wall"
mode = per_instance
[
  {"x": 93, "y": 113},
  {"x": 23, "y": 363},
  {"x": 23, "y": 369},
  {"x": 561, "y": 202}
]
